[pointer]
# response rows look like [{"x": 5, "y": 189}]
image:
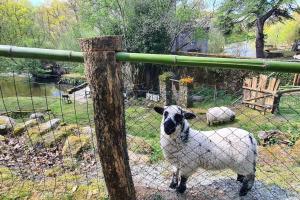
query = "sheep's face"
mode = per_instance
[{"x": 173, "y": 117}]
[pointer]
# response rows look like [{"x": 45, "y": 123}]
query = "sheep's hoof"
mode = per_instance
[
  {"x": 240, "y": 178},
  {"x": 243, "y": 192},
  {"x": 173, "y": 185},
  {"x": 181, "y": 189}
]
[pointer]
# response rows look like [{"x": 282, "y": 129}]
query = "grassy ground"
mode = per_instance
[
  {"x": 70, "y": 113},
  {"x": 144, "y": 122},
  {"x": 65, "y": 186}
]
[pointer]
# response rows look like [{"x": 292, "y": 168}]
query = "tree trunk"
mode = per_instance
[
  {"x": 260, "y": 42},
  {"x": 151, "y": 77},
  {"x": 105, "y": 80}
]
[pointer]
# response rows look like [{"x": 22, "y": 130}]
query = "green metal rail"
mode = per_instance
[{"x": 210, "y": 62}]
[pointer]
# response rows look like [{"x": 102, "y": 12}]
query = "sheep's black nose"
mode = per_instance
[{"x": 169, "y": 127}]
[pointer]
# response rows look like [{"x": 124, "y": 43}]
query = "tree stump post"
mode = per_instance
[{"x": 103, "y": 74}]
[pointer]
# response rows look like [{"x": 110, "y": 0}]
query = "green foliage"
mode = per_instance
[
  {"x": 146, "y": 26},
  {"x": 240, "y": 36},
  {"x": 16, "y": 22},
  {"x": 246, "y": 13},
  {"x": 212, "y": 97},
  {"x": 284, "y": 33},
  {"x": 166, "y": 76},
  {"x": 20, "y": 65},
  {"x": 146, "y": 32},
  {"x": 201, "y": 34},
  {"x": 216, "y": 41}
]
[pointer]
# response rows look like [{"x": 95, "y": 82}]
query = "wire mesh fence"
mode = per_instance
[{"x": 48, "y": 145}]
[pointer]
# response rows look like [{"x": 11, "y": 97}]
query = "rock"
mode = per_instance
[
  {"x": 88, "y": 130},
  {"x": 59, "y": 135},
  {"x": 197, "y": 98},
  {"x": 52, "y": 124},
  {"x": 3, "y": 129},
  {"x": 74, "y": 145},
  {"x": 262, "y": 135},
  {"x": 45, "y": 127},
  {"x": 70, "y": 163},
  {"x": 6, "y": 125},
  {"x": 31, "y": 123},
  {"x": 21, "y": 128},
  {"x": 35, "y": 133},
  {"x": 2, "y": 138},
  {"x": 273, "y": 137},
  {"x": 135, "y": 158},
  {"x": 296, "y": 57},
  {"x": 138, "y": 145},
  {"x": 39, "y": 116}
]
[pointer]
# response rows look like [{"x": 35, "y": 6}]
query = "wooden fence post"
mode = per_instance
[{"x": 103, "y": 74}]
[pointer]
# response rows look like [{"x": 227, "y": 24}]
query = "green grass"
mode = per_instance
[
  {"x": 58, "y": 187},
  {"x": 286, "y": 120},
  {"x": 70, "y": 113},
  {"x": 212, "y": 97},
  {"x": 144, "y": 122}
]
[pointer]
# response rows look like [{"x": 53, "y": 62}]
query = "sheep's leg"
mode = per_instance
[
  {"x": 248, "y": 182},
  {"x": 240, "y": 178},
  {"x": 182, "y": 185},
  {"x": 174, "y": 182}
]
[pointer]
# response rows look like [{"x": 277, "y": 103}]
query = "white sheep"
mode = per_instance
[
  {"x": 219, "y": 115},
  {"x": 187, "y": 149}
]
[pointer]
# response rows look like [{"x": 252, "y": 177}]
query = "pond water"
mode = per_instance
[
  {"x": 26, "y": 86},
  {"x": 241, "y": 49}
]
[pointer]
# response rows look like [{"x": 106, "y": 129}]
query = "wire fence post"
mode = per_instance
[{"x": 103, "y": 73}]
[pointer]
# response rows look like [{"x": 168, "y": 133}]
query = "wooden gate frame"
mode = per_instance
[{"x": 261, "y": 93}]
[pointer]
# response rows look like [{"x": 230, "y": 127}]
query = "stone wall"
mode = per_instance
[
  {"x": 165, "y": 88},
  {"x": 185, "y": 97},
  {"x": 173, "y": 92}
]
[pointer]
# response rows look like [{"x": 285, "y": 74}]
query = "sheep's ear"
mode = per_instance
[
  {"x": 159, "y": 110},
  {"x": 188, "y": 115}
]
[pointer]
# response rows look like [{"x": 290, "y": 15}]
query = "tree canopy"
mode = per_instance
[{"x": 254, "y": 13}]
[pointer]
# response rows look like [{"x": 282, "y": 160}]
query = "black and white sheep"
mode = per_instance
[
  {"x": 218, "y": 115},
  {"x": 187, "y": 149}
]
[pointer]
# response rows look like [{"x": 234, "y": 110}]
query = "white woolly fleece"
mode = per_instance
[
  {"x": 231, "y": 148},
  {"x": 219, "y": 114}
]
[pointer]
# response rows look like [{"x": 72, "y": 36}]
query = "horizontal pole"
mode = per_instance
[
  {"x": 288, "y": 91},
  {"x": 37, "y": 53},
  {"x": 175, "y": 60},
  {"x": 210, "y": 62}
]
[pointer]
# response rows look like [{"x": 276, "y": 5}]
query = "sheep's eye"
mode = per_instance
[
  {"x": 166, "y": 114},
  {"x": 178, "y": 117}
]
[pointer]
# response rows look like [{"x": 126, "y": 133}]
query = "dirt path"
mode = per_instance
[
  {"x": 152, "y": 182},
  {"x": 80, "y": 95}
]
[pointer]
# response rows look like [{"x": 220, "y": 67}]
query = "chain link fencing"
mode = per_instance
[{"x": 48, "y": 145}]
